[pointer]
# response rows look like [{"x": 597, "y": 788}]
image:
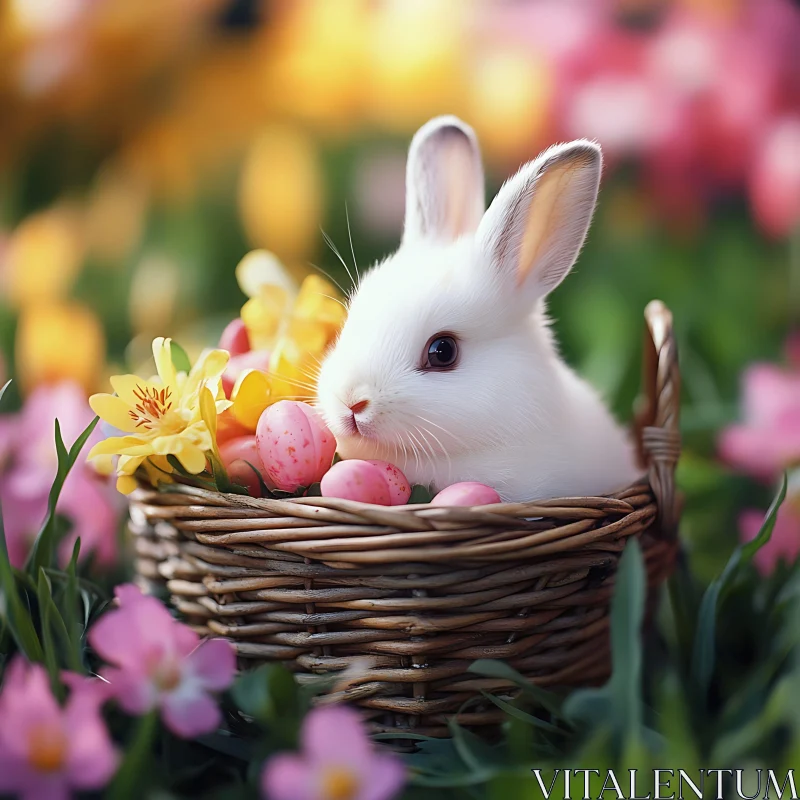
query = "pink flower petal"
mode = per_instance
[
  {"x": 92, "y": 758},
  {"x": 768, "y": 392},
  {"x": 134, "y": 691},
  {"x": 213, "y": 663},
  {"x": 784, "y": 544},
  {"x": 127, "y": 594},
  {"x": 287, "y": 777},
  {"x": 750, "y": 450},
  {"x": 190, "y": 714},
  {"x": 141, "y": 631},
  {"x": 335, "y": 734},
  {"x": 35, "y": 786},
  {"x": 385, "y": 779},
  {"x": 186, "y": 640},
  {"x": 27, "y": 699}
]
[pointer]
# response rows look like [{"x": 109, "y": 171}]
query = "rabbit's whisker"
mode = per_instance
[
  {"x": 414, "y": 442},
  {"x": 429, "y": 449},
  {"x": 330, "y": 278},
  {"x": 444, "y": 452},
  {"x": 338, "y": 255},
  {"x": 335, "y": 299},
  {"x": 352, "y": 249}
]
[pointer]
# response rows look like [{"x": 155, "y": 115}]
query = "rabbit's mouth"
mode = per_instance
[{"x": 350, "y": 426}]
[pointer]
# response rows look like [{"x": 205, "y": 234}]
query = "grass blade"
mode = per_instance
[
  {"x": 46, "y": 608},
  {"x": 498, "y": 669},
  {"x": 41, "y": 554},
  {"x": 524, "y": 716},
  {"x": 704, "y": 650},
  {"x": 72, "y": 598},
  {"x": 627, "y": 616},
  {"x": 18, "y": 620}
]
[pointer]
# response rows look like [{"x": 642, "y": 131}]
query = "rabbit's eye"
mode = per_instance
[{"x": 441, "y": 352}]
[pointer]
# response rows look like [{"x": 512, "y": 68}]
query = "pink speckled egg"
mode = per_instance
[
  {"x": 234, "y": 338},
  {"x": 295, "y": 445},
  {"x": 356, "y": 480},
  {"x": 467, "y": 493},
  {"x": 237, "y": 454},
  {"x": 399, "y": 487}
]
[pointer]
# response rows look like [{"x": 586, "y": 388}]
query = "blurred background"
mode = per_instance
[{"x": 147, "y": 145}]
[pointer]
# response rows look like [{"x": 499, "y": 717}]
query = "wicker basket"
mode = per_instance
[{"x": 421, "y": 591}]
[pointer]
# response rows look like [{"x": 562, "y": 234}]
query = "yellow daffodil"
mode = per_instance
[
  {"x": 264, "y": 279},
  {"x": 163, "y": 416},
  {"x": 297, "y": 341},
  {"x": 41, "y": 355},
  {"x": 281, "y": 192}
]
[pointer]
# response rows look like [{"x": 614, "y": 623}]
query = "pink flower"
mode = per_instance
[
  {"x": 47, "y": 751},
  {"x": 28, "y": 466},
  {"x": 157, "y": 662},
  {"x": 337, "y": 763},
  {"x": 769, "y": 439},
  {"x": 792, "y": 348},
  {"x": 784, "y": 544},
  {"x": 775, "y": 179}
]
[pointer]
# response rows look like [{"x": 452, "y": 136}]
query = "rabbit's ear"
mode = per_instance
[
  {"x": 536, "y": 226},
  {"x": 444, "y": 181}
]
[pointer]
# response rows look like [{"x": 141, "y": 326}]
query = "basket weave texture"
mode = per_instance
[{"x": 409, "y": 596}]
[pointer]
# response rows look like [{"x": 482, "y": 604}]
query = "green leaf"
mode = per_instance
[
  {"x": 17, "y": 618},
  {"x": 627, "y": 615},
  {"x": 48, "y": 645},
  {"x": 262, "y": 486},
  {"x": 524, "y": 716},
  {"x": 618, "y": 704},
  {"x": 703, "y": 651},
  {"x": 269, "y": 694},
  {"x": 133, "y": 774},
  {"x": 749, "y": 549},
  {"x": 179, "y": 358},
  {"x": 72, "y": 598},
  {"x": 51, "y": 617},
  {"x": 420, "y": 494},
  {"x": 490, "y": 668},
  {"x": 43, "y": 549},
  {"x": 221, "y": 480}
]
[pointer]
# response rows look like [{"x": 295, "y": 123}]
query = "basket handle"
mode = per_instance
[{"x": 658, "y": 417}]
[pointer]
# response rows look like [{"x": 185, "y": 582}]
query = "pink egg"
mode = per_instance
[
  {"x": 237, "y": 455},
  {"x": 356, "y": 480},
  {"x": 254, "y": 359},
  {"x": 295, "y": 445},
  {"x": 468, "y": 493},
  {"x": 234, "y": 338},
  {"x": 399, "y": 487}
]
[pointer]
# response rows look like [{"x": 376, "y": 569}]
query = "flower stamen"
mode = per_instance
[
  {"x": 47, "y": 748},
  {"x": 339, "y": 783},
  {"x": 152, "y": 406}
]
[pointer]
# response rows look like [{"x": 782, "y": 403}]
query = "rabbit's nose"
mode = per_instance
[{"x": 358, "y": 407}]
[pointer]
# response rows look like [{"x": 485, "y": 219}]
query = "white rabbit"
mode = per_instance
[{"x": 446, "y": 365}]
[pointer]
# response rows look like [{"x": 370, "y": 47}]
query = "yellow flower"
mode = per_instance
[
  {"x": 281, "y": 192},
  {"x": 45, "y": 253},
  {"x": 59, "y": 341},
  {"x": 297, "y": 342},
  {"x": 163, "y": 416},
  {"x": 264, "y": 279}
]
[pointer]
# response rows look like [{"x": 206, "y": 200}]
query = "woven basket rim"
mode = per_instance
[
  {"x": 340, "y": 533},
  {"x": 233, "y": 500}
]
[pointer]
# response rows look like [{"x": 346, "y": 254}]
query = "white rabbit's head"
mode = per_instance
[{"x": 446, "y": 345}]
